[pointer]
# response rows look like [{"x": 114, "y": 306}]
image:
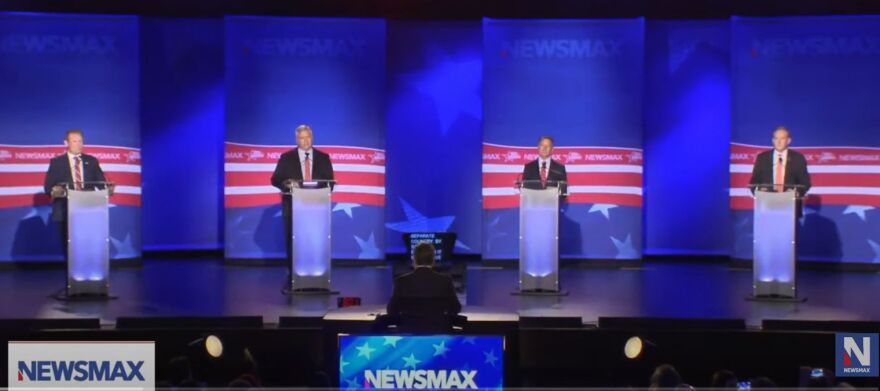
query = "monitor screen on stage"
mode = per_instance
[
  {"x": 443, "y": 243},
  {"x": 421, "y": 362}
]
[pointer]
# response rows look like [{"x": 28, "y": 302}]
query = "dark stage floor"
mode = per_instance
[{"x": 207, "y": 287}]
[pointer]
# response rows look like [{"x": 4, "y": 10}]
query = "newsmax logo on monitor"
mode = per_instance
[
  {"x": 857, "y": 355},
  {"x": 93, "y": 365},
  {"x": 421, "y": 362}
]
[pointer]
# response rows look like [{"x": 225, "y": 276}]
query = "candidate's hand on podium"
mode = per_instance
[
  {"x": 111, "y": 188},
  {"x": 58, "y": 191}
]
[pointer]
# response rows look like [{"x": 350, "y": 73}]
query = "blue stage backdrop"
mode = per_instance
[
  {"x": 330, "y": 74},
  {"x": 59, "y": 72},
  {"x": 434, "y": 131},
  {"x": 579, "y": 81},
  {"x": 819, "y": 77}
]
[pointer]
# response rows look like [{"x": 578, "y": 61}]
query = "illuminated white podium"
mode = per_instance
[
  {"x": 539, "y": 238},
  {"x": 775, "y": 243},
  {"x": 310, "y": 237},
  {"x": 88, "y": 241}
]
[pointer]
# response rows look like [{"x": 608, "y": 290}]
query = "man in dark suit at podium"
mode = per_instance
[
  {"x": 545, "y": 172},
  {"x": 302, "y": 164},
  {"x": 424, "y": 293},
  {"x": 73, "y": 170},
  {"x": 781, "y": 168}
]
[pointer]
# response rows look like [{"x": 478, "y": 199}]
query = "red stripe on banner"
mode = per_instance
[
  {"x": 262, "y": 178},
  {"x": 742, "y": 203},
  {"x": 23, "y": 200},
  {"x": 126, "y": 199},
  {"x": 244, "y": 153},
  {"x": 745, "y": 154},
  {"x": 506, "y": 154},
  {"x": 512, "y": 201},
  {"x": 577, "y": 178},
  {"x": 747, "y": 203},
  {"x": 252, "y": 200},
  {"x": 741, "y": 179},
  {"x": 38, "y": 178}
]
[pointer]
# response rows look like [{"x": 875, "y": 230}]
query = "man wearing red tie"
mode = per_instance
[
  {"x": 302, "y": 164},
  {"x": 72, "y": 170},
  {"x": 545, "y": 172},
  {"x": 780, "y": 169}
]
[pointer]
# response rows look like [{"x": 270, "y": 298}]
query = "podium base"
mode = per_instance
[
  {"x": 775, "y": 299},
  {"x": 62, "y": 295},
  {"x": 539, "y": 292},
  {"x": 288, "y": 291}
]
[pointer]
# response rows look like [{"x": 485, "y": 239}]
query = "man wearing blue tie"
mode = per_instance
[{"x": 545, "y": 172}]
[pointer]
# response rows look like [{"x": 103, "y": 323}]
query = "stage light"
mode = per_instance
[
  {"x": 211, "y": 345},
  {"x": 633, "y": 347},
  {"x": 214, "y": 346}
]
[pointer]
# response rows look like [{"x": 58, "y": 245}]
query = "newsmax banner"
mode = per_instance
[
  {"x": 579, "y": 81},
  {"x": 60, "y": 72},
  {"x": 329, "y": 74},
  {"x": 437, "y": 362},
  {"x": 817, "y": 76}
]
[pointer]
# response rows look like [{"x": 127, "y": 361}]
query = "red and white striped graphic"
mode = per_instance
[
  {"x": 359, "y": 174},
  {"x": 839, "y": 175},
  {"x": 596, "y": 175},
  {"x": 23, "y": 171}
]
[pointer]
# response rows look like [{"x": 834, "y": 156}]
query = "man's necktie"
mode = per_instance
[
  {"x": 77, "y": 174},
  {"x": 307, "y": 165},
  {"x": 779, "y": 179},
  {"x": 544, "y": 174}
]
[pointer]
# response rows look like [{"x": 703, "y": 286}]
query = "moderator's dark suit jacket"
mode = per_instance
[
  {"x": 59, "y": 172},
  {"x": 423, "y": 292},
  {"x": 555, "y": 174},
  {"x": 795, "y": 171},
  {"x": 289, "y": 167}
]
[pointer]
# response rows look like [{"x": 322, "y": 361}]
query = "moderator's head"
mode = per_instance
[{"x": 423, "y": 255}]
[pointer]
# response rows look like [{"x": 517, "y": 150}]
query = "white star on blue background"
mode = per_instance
[
  {"x": 876, "y": 247},
  {"x": 625, "y": 248},
  {"x": 418, "y": 222},
  {"x": 490, "y": 357},
  {"x": 368, "y": 247},
  {"x": 411, "y": 361},
  {"x": 365, "y": 350},
  {"x": 392, "y": 341},
  {"x": 441, "y": 349},
  {"x": 345, "y": 207},
  {"x": 42, "y": 211},
  {"x": 858, "y": 210},
  {"x": 603, "y": 209},
  {"x": 124, "y": 248}
]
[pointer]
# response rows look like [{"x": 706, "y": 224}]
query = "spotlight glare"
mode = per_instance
[
  {"x": 633, "y": 348},
  {"x": 214, "y": 346}
]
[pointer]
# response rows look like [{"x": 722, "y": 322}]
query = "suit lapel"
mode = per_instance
[{"x": 297, "y": 167}]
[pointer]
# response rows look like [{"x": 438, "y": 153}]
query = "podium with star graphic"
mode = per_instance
[
  {"x": 310, "y": 237},
  {"x": 88, "y": 240},
  {"x": 421, "y": 362},
  {"x": 775, "y": 243},
  {"x": 539, "y": 238}
]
